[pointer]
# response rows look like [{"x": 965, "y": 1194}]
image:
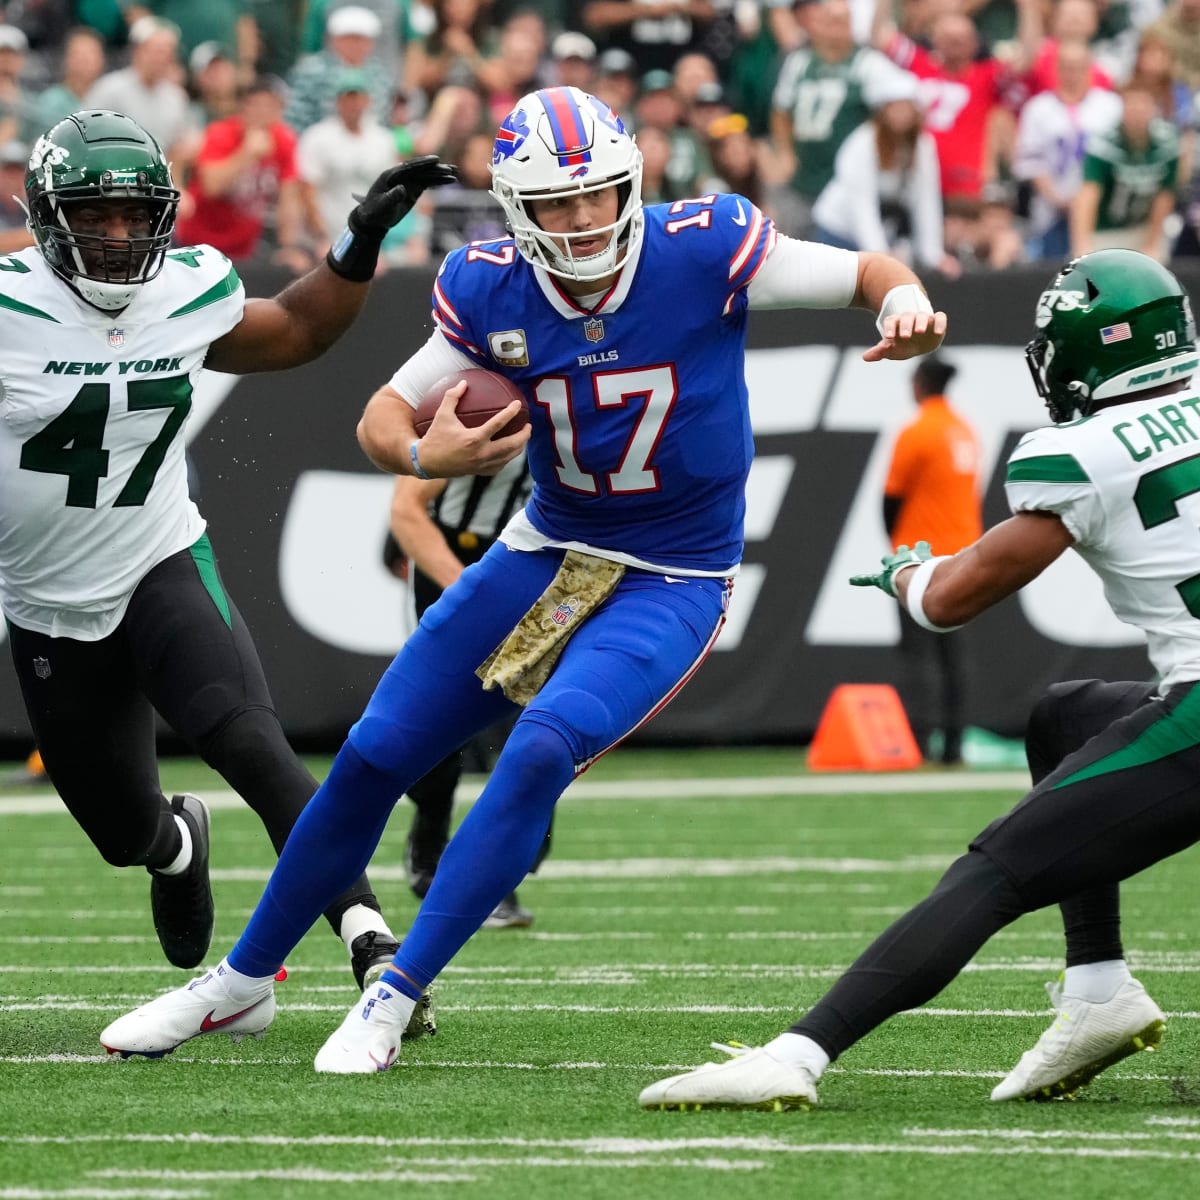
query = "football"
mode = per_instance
[{"x": 487, "y": 394}]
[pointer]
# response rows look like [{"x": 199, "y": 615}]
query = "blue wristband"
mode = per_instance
[{"x": 418, "y": 471}]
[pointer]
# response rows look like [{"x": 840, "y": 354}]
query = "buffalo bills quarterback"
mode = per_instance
[{"x": 625, "y": 327}]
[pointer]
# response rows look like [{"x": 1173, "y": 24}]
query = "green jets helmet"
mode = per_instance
[
  {"x": 1111, "y": 323},
  {"x": 87, "y": 158}
]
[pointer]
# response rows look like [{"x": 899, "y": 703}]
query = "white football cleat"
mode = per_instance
[
  {"x": 751, "y": 1079},
  {"x": 202, "y": 1006},
  {"x": 368, "y": 1040},
  {"x": 1085, "y": 1038}
]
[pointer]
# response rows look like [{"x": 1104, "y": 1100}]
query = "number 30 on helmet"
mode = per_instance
[{"x": 1111, "y": 323}]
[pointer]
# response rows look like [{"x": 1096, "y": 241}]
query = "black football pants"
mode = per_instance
[
  {"x": 182, "y": 649},
  {"x": 1119, "y": 802}
]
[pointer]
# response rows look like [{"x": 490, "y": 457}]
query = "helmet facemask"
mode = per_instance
[
  {"x": 561, "y": 141},
  {"x": 90, "y": 160},
  {"x": 105, "y": 271}
]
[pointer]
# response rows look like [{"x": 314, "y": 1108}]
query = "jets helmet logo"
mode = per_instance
[{"x": 1052, "y": 300}]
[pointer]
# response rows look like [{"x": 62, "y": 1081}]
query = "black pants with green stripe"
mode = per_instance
[
  {"x": 1119, "y": 790},
  {"x": 182, "y": 649}
]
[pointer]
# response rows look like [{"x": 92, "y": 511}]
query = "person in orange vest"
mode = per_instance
[{"x": 932, "y": 493}]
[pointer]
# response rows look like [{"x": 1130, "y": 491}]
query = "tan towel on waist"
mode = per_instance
[{"x": 522, "y": 663}]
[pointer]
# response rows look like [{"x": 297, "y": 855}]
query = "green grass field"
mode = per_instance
[{"x": 691, "y": 897}]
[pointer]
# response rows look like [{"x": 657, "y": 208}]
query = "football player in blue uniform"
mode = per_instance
[{"x": 626, "y": 328}]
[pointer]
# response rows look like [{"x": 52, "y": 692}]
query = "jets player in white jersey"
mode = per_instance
[
  {"x": 1115, "y": 766},
  {"x": 114, "y": 603}
]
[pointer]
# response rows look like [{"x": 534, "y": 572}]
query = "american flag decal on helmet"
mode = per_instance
[{"x": 1115, "y": 333}]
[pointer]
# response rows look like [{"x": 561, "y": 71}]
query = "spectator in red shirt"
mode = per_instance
[
  {"x": 245, "y": 174},
  {"x": 962, "y": 94},
  {"x": 1070, "y": 21}
]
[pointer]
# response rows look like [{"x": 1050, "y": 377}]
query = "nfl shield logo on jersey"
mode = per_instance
[
  {"x": 116, "y": 338},
  {"x": 565, "y": 611},
  {"x": 41, "y": 667},
  {"x": 593, "y": 329}
]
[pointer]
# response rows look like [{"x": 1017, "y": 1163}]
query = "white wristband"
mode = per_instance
[
  {"x": 907, "y": 297},
  {"x": 916, "y": 593}
]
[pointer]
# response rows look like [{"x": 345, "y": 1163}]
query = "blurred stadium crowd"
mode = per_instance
[{"x": 961, "y": 135}]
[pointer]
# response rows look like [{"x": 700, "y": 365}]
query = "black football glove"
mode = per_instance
[{"x": 391, "y": 197}]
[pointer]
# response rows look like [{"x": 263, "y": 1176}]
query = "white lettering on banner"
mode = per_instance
[
  {"x": 331, "y": 572},
  {"x": 770, "y": 478},
  {"x": 209, "y": 390},
  {"x": 993, "y": 391},
  {"x": 335, "y": 585}
]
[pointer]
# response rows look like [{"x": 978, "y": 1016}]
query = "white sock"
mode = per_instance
[
  {"x": 359, "y": 919},
  {"x": 243, "y": 987},
  {"x": 1096, "y": 982},
  {"x": 798, "y": 1051},
  {"x": 183, "y": 859},
  {"x": 395, "y": 999}
]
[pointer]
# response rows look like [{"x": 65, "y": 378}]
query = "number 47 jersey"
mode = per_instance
[
  {"x": 93, "y": 476},
  {"x": 1126, "y": 483},
  {"x": 641, "y": 439}
]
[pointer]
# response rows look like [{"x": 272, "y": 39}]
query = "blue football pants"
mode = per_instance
[{"x": 621, "y": 666}]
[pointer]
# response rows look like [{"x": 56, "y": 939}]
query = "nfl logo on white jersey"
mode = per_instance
[{"x": 116, "y": 338}]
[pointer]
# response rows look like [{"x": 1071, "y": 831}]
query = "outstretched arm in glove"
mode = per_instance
[
  {"x": 307, "y": 317},
  {"x": 944, "y": 593}
]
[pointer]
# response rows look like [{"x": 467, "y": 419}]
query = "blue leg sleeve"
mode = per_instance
[
  {"x": 329, "y": 847},
  {"x": 492, "y": 849}
]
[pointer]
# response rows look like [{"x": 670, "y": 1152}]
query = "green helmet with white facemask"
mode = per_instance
[
  {"x": 1111, "y": 323},
  {"x": 87, "y": 158}
]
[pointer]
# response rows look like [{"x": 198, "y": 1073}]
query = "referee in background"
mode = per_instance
[{"x": 439, "y": 527}]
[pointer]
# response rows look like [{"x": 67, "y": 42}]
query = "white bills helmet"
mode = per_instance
[{"x": 562, "y": 140}]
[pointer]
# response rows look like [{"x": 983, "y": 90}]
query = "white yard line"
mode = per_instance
[
  {"x": 883, "y": 784},
  {"x": 614, "y": 1152},
  {"x": 93, "y": 1193}
]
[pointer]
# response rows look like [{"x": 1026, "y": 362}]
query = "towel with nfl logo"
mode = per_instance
[{"x": 522, "y": 663}]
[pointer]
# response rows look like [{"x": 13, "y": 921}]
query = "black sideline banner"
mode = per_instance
[{"x": 297, "y": 517}]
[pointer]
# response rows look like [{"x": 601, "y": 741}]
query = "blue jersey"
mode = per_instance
[{"x": 641, "y": 440}]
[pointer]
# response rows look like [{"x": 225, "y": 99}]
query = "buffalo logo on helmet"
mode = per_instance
[{"x": 511, "y": 135}]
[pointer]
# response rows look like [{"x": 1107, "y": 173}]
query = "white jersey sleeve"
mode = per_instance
[
  {"x": 1126, "y": 483},
  {"x": 798, "y": 274},
  {"x": 433, "y": 361},
  {"x": 1044, "y": 476}
]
